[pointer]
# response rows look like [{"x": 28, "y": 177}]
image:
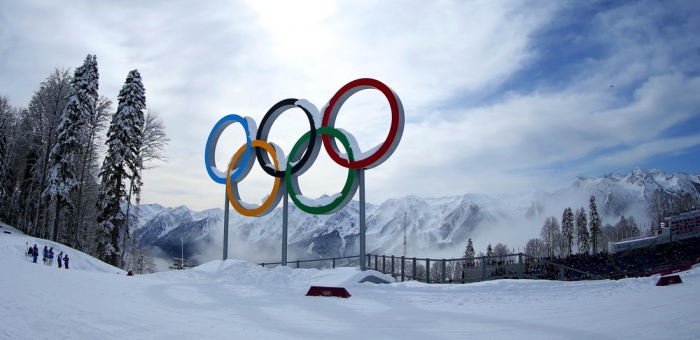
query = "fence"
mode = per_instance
[{"x": 465, "y": 270}]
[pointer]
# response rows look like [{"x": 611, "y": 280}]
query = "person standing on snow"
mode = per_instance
[
  {"x": 65, "y": 260},
  {"x": 50, "y": 263},
  {"x": 46, "y": 255},
  {"x": 35, "y": 253},
  {"x": 59, "y": 259}
]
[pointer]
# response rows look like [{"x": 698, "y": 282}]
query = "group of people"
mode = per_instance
[
  {"x": 634, "y": 263},
  {"x": 62, "y": 259},
  {"x": 638, "y": 262}
]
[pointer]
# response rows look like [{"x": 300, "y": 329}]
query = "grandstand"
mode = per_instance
[{"x": 674, "y": 228}]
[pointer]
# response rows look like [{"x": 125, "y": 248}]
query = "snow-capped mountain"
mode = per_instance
[{"x": 430, "y": 223}]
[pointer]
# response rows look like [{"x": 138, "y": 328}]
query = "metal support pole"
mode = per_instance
[
  {"x": 562, "y": 274},
  {"x": 414, "y": 268},
  {"x": 285, "y": 212},
  {"x": 384, "y": 264},
  {"x": 520, "y": 265},
  {"x": 403, "y": 268},
  {"x": 376, "y": 260},
  {"x": 297, "y": 263},
  {"x": 226, "y": 205},
  {"x": 392, "y": 265},
  {"x": 427, "y": 270},
  {"x": 361, "y": 178},
  {"x": 334, "y": 263},
  {"x": 443, "y": 279}
]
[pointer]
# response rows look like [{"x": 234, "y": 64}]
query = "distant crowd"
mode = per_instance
[
  {"x": 48, "y": 256},
  {"x": 634, "y": 263},
  {"x": 638, "y": 262}
]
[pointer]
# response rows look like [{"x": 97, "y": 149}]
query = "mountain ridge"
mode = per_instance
[{"x": 432, "y": 224}]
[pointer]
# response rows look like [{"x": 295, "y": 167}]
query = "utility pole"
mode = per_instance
[{"x": 404, "y": 234}]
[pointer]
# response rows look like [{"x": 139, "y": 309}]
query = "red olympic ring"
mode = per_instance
[{"x": 330, "y": 112}]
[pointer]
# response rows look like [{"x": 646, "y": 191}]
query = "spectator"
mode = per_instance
[
  {"x": 50, "y": 263},
  {"x": 65, "y": 260},
  {"x": 46, "y": 255},
  {"x": 59, "y": 259},
  {"x": 35, "y": 253}
]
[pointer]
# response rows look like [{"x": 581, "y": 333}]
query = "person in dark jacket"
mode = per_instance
[
  {"x": 50, "y": 261},
  {"x": 59, "y": 259},
  {"x": 65, "y": 260},
  {"x": 46, "y": 255},
  {"x": 35, "y": 253}
]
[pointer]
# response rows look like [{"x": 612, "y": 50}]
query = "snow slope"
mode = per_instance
[{"x": 239, "y": 300}]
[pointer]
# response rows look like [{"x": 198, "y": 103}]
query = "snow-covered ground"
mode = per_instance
[{"x": 239, "y": 300}]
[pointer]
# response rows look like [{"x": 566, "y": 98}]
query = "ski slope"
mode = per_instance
[{"x": 239, "y": 300}]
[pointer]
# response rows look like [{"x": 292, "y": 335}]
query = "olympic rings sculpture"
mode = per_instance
[{"x": 304, "y": 151}]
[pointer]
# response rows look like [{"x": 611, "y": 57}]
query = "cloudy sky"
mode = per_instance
[{"x": 499, "y": 96}]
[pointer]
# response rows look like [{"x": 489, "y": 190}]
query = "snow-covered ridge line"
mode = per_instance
[{"x": 431, "y": 223}]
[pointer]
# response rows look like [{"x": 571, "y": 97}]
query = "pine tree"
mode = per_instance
[
  {"x": 595, "y": 226},
  {"x": 567, "y": 229},
  {"x": 121, "y": 163},
  {"x": 62, "y": 182},
  {"x": 582, "y": 235},
  {"x": 469, "y": 250}
]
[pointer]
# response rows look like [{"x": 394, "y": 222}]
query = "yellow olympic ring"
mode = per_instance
[{"x": 273, "y": 195}]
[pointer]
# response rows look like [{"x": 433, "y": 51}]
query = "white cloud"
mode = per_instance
[{"x": 201, "y": 61}]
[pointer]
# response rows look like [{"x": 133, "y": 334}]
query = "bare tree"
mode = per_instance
[
  {"x": 88, "y": 187},
  {"x": 684, "y": 202},
  {"x": 535, "y": 248},
  {"x": 657, "y": 209},
  {"x": 155, "y": 139},
  {"x": 40, "y": 128},
  {"x": 550, "y": 234}
]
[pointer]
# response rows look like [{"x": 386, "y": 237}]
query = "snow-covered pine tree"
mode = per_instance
[
  {"x": 582, "y": 235},
  {"x": 567, "y": 229},
  {"x": 62, "y": 181},
  {"x": 121, "y": 163},
  {"x": 489, "y": 252},
  {"x": 595, "y": 227},
  {"x": 469, "y": 252}
]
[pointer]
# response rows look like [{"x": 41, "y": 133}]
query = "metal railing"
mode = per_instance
[{"x": 464, "y": 270}]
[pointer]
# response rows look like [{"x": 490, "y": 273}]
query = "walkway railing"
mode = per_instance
[{"x": 464, "y": 270}]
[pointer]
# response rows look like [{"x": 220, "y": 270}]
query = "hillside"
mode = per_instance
[{"x": 239, "y": 300}]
